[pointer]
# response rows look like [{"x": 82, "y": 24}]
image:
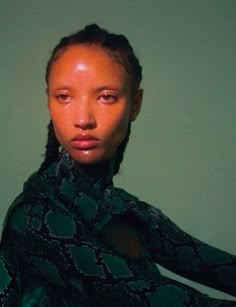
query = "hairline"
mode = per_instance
[{"x": 117, "y": 55}]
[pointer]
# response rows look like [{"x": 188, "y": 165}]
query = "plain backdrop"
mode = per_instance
[{"x": 181, "y": 156}]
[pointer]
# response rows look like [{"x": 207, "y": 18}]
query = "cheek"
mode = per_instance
[
  {"x": 60, "y": 120},
  {"x": 60, "y": 124},
  {"x": 117, "y": 128},
  {"x": 55, "y": 114},
  {"x": 58, "y": 133}
]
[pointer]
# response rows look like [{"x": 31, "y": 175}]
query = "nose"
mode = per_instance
[{"x": 84, "y": 115}]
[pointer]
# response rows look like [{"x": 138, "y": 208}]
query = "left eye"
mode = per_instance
[{"x": 108, "y": 98}]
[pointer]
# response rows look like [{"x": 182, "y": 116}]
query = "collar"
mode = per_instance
[{"x": 96, "y": 177}]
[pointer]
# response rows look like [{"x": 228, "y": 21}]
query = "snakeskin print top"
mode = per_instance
[{"x": 53, "y": 251}]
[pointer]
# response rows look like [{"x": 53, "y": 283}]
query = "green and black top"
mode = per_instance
[{"x": 54, "y": 252}]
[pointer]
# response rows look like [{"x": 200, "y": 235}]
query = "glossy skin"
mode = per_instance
[{"x": 90, "y": 102}]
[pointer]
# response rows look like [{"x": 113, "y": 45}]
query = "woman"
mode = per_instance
[{"x": 73, "y": 239}]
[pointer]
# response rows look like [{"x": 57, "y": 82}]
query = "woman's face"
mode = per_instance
[{"x": 90, "y": 102}]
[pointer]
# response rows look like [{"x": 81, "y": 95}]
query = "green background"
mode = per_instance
[{"x": 181, "y": 157}]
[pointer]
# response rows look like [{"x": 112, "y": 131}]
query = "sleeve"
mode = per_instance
[
  {"x": 185, "y": 255},
  {"x": 47, "y": 243},
  {"x": 9, "y": 291}
]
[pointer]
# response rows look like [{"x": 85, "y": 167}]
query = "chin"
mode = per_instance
[
  {"x": 91, "y": 160},
  {"x": 87, "y": 159}
]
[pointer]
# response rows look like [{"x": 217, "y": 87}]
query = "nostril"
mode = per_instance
[
  {"x": 84, "y": 114},
  {"x": 85, "y": 124}
]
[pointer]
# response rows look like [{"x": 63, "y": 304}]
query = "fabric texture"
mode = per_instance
[{"x": 54, "y": 253}]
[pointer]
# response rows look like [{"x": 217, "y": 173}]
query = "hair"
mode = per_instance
[{"x": 118, "y": 47}]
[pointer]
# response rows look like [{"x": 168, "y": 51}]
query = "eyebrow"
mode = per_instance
[
  {"x": 96, "y": 89},
  {"x": 61, "y": 87},
  {"x": 107, "y": 86}
]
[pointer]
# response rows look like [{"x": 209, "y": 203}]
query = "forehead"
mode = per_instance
[{"x": 87, "y": 60}]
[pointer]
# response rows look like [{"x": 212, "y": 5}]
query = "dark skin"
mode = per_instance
[{"x": 123, "y": 237}]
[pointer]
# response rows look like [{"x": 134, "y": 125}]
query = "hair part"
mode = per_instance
[{"x": 120, "y": 49}]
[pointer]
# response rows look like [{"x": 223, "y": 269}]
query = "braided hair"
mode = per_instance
[{"x": 118, "y": 47}]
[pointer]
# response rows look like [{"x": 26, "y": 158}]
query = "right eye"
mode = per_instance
[{"x": 65, "y": 98}]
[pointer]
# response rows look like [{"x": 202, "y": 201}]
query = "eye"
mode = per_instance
[
  {"x": 108, "y": 98},
  {"x": 65, "y": 98}
]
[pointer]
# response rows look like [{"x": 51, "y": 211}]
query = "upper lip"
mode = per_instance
[{"x": 83, "y": 137}]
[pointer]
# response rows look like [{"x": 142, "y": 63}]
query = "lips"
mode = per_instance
[{"x": 84, "y": 142}]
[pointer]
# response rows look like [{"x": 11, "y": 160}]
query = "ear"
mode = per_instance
[{"x": 136, "y": 104}]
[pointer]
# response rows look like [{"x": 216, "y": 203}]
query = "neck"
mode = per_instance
[
  {"x": 100, "y": 172},
  {"x": 93, "y": 171}
]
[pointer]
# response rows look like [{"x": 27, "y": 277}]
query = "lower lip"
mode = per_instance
[{"x": 85, "y": 144}]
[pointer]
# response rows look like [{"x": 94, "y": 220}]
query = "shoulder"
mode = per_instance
[
  {"x": 144, "y": 211},
  {"x": 35, "y": 201}
]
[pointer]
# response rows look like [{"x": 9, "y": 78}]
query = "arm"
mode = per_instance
[
  {"x": 9, "y": 292},
  {"x": 181, "y": 253},
  {"x": 44, "y": 240}
]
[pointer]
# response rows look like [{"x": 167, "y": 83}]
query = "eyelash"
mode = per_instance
[
  {"x": 109, "y": 98},
  {"x": 104, "y": 98},
  {"x": 62, "y": 97}
]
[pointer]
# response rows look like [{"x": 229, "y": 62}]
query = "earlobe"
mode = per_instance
[{"x": 136, "y": 106}]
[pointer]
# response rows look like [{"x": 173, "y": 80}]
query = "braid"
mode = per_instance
[{"x": 52, "y": 147}]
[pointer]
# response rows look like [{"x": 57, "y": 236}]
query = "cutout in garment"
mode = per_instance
[{"x": 121, "y": 234}]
